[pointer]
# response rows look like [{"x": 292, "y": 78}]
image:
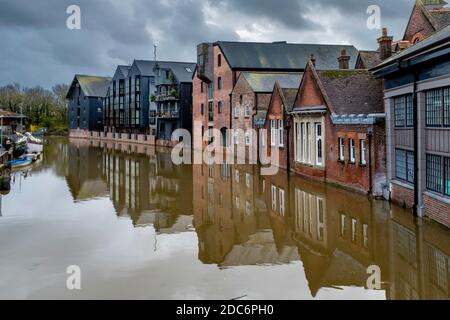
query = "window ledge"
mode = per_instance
[
  {"x": 363, "y": 165},
  {"x": 438, "y": 196},
  {"x": 403, "y": 184},
  {"x": 341, "y": 161}
]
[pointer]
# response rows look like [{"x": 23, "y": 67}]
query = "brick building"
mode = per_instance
[
  {"x": 427, "y": 17},
  {"x": 251, "y": 97},
  {"x": 220, "y": 64},
  {"x": 417, "y": 98},
  {"x": 337, "y": 130},
  {"x": 277, "y": 122}
]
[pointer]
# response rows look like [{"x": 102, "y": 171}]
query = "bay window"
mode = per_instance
[
  {"x": 363, "y": 152},
  {"x": 341, "y": 149},
  {"x": 352, "y": 150},
  {"x": 319, "y": 151},
  {"x": 272, "y": 133}
]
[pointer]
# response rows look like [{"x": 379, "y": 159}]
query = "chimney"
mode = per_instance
[
  {"x": 312, "y": 59},
  {"x": 385, "y": 43},
  {"x": 344, "y": 59}
]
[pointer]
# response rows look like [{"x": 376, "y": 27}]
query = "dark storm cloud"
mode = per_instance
[{"x": 37, "y": 48}]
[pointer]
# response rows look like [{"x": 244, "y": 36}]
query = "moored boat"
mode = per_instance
[{"x": 20, "y": 162}]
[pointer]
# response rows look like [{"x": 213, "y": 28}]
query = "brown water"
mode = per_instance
[{"x": 141, "y": 228}]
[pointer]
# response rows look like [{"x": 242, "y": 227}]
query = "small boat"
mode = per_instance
[
  {"x": 34, "y": 145},
  {"x": 20, "y": 162}
]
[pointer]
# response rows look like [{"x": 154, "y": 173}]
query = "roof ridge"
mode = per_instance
[{"x": 288, "y": 43}]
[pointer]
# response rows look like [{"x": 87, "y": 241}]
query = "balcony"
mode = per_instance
[
  {"x": 167, "y": 96},
  {"x": 169, "y": 114}
]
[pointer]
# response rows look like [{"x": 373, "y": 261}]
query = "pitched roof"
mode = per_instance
[
  {"x": 436, "y": 12},
  {"x": 369, "y": 59},
  {"x": 9, "y": 114},
  {"x": 433, "y": 40},
  {"x": 183, "y": 71},
  {"x": 282, "y": 55},
  {"x": 147, "y": 68},
  {"x": 264, "y": 81},
  {"x": 351, "y": 91},
  {"x": 124, "y": 70},
  {"x": 92, "y": 86},
  {"x": 289, "y": 96}
]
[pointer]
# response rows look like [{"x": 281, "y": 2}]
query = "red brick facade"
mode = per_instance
[{"x": 419, "y": 26}]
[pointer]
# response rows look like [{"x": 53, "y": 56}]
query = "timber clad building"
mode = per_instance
[{"x": 85, "y": 102}]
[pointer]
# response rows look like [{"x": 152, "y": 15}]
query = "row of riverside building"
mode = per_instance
[{"x": 375, "y": 122}]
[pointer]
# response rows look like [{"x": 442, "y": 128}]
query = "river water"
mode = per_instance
[{"x": 139, "y": 227}]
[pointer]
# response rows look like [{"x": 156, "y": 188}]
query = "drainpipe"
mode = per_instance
[
  {"x": 416, "y": 151},
  {"x": 369, "y": 136}
]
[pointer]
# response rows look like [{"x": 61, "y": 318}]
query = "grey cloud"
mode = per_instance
[{"x": 38, "y": 49}]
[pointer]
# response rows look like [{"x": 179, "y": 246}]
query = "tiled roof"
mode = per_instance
[
  {"x": 438, "y": 37},
  {"x": 289, "y": 97},
  {"x": 264, "y": 81},
  {"x": 282, "y": 55},
  {"x": 352, "y": 91},
  {"x": 370, "y": 59}
]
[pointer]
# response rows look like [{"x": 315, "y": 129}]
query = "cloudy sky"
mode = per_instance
[{"x": 38, "y": 49}]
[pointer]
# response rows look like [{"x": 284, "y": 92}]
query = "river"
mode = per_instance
[{"x": 139, "y": 227}]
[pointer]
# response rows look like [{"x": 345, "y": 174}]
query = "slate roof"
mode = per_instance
[
  {"x": 289, "y": 97},
  {"x": 180, "y": 69},
  {"x": 436, "y": 12},
  {"x": 147, "y": 68},
  {"x": 264, "y": 81},
  {"x": 369, "y": 59},
  {"x": 124, "y": 70},
  {"x": 282, "y": 55},
  {"x": 436, "y": 38},
  {"x": 92, "y": 86},
  {"x": 352, "y": 91}
]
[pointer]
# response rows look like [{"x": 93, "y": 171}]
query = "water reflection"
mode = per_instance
[{"x": 244, "y": 219}]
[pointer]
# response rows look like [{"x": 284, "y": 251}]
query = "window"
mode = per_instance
[
  {"x": 219, "y": 83},
  {"x": 319, "y": 151},
  {"x": 400, "y": 112},
  {"x": 272, "y": 133},
  {"x": 434, "y": 173},
  {"x": 210, "y": 112},
  {"x": 433, "y": 107},
  {"x": 274, "y": 198},
  {"x": 236, "y": 112},
  {"x": 447, "y": 176},
  {"x": 202, "y": 109},
  {"x": 247, "y": 180},
  {"x": 352, "y": 151},
  {"x": 202, "y": 89},
  {"x": 404, "y": 111},
  {"x": 308, "y": 143},
  {"x": 341, "y": 149},
  {"x": 280, "y": 133},
  {"x": 281, "y": 199},
  {"x": 219, "y": 60},
  {"x": 248, "y": 139},
  {"x": 219, "y": 107},
  {"x": 404, "y": 165},
  {"x": 248, "y": 111},
  {"x": 236, "y": 176},
  {"x": 362, "y": 146},
  {"x": 447, "y": 107}
]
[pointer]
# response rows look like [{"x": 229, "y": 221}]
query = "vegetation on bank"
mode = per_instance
[{"x": 44, "y": 108}]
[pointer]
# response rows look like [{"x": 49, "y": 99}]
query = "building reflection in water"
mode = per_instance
[
  {"x": 244, "y": 219},
  {"x": 142, "y": 184}
]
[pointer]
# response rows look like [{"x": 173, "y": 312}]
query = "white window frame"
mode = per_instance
[
  {"x": 247, "y": 111},
  {"x": 319, "y": 161},
  {"x": 274, "y": 198},
  {"x": 281, "y": 198},
  {"x": 363, "y": 149},
  {"x": 236, "y": 112},
  {"x": 273, "y": 133},
  {"x": 237, "y": 176},
  {"x": 352, "y": 150},
  {"x": 341, "y": 149},
  {"x": 308, "y": 143},
  {"x": 297, "y": 141},
  {"x": 281, "y": 133},
  {"x": 248, "y": 180},
  {"x": 248, "y": 139}
]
